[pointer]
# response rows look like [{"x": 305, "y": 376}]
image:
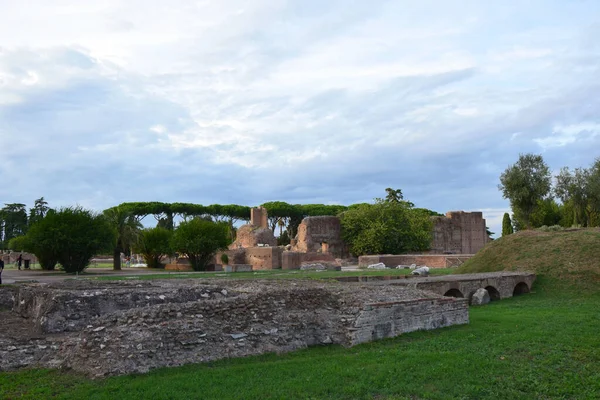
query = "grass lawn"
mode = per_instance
[
  {"x": 276, "y": 274},
  {"x": 544, "y": 345}
]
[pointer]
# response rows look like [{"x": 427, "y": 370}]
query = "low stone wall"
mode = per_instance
[
  {"x": 430, "y": 260},
  {"x": 383, "y": 320},
  {"x": 126, "y": 327}
]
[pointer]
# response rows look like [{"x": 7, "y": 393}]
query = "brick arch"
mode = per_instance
[
  {"x": 493, "y": 292},
  {"x": 520, "y": 288},
  {"x": 454, "y": 293}
]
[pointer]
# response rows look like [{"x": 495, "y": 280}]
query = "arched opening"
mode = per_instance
[
  {"x": 493, "y": 292},
  {"x": 520, "y": 289},
  {"x": 453, "y": 293}
]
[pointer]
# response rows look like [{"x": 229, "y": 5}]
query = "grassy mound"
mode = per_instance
[{"x": 571, "y": 254}]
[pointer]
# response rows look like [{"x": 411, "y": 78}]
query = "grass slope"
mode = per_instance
[
  {"x": 570, "y": 255},
  {"x": 544, "y": 345}
]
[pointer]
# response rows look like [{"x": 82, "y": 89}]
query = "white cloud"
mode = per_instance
[{"x": 255, "y": 100}]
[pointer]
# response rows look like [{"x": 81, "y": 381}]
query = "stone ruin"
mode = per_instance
[
  {"x": 459, "y": 232},
  {"x": 111, "y": 328}
]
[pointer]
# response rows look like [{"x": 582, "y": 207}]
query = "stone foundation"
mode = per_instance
[{"x": 126, "y": 327}]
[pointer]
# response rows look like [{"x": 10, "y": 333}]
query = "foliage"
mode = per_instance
[
  {"x": 72, "y": 236},
  {"x": 524, "y": 184},
  {"x": 199, "y": 240},
  {"x": 128, "y": 227},
  {"x": 507, "y": 227},
  {"x": 553, "y": 228},
  {"x": 39, "y": 210},
  {"x": 394, "y": 195},
  {"x": 283, "y": 239},
  {"x": 505, "y": 352},
  {"x": 386, "y": 228},
  {"x": 18, "y": 243},
  {"x": 224, "y": 259},
  {"x": 13, "y": 222},
  {"x": 153, "y": 244}
]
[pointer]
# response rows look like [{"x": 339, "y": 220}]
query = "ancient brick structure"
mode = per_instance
[
  {"x": 320, "y": 235},
  {"x": 259, "y": 217},
  {"x": 459, "y": 232},
  {"x": 108, "y": 328},
  {"x": 253, "y": 236}
]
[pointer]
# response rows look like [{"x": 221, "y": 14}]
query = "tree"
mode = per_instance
[
  {"x": 13, "y": 221},
  {"x": 199, "y": 240},
  {"x": 127, "y": 226},
  {"x": 72, "y": 236},
  {"x": 394, "y": 196},
  {"x": 39, "y": 210},
  {"x": 386, "y": 228},
  {"x": 507, "y": 227},
  {"x": 154, "y": 243},
  {"x": 524, "y": 184},
  {"x": 573, "y": 187},
  {"x": 17, "y": 243}
]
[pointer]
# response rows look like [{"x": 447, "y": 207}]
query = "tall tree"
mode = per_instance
[
  {"x": 13, "y": 219},
  {"x": 573, "y": 187},
  {"x": 394, "y": 195},
  {"x": 127, "y": 226},
  {"x": 524, "y": 184},
  {"x": 199, "y": 240},
  {"x": 39, "y": 210},
  {"x": 507, "y": 227}
]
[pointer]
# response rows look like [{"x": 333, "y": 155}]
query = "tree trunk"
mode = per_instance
[{"x": 117, "y": 259}]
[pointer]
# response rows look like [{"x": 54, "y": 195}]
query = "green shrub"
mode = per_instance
[
  {"x": 153, "y": 244},
  {"x": 224, "y": 259},
  {"x": 386, "y": 228},
  {"x": 199, "y": 240},
  {"x": 70, "y": 236},
  {"x": 18, "y": 243}
]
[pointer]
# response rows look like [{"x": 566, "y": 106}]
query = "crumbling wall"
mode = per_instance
[
  {"x": 252, "y": 236},
  {"x": 459, "y": 232},
  {"x": 320, "y": 234},
  {"x": 262, "y": 258},
  {"x": 228, "y": 319}
]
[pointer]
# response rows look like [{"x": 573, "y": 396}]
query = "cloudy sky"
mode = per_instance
[{"x": 304, "y": 101}]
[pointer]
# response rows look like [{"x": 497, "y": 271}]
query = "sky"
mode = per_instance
[{"x": 301, "y": 101}]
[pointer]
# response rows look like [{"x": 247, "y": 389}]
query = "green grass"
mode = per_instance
[
  {"x": 569, "y": 255},
  {"x": 544, "y": 345},
  {"x": 274, "y": 274}
]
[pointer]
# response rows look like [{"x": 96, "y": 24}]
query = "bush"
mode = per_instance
[
  {"x": 283, "y": 239},
  {"x": 553, "y": 228},
  {"x": 18, "y": 243},
  {"x": 225, "y": 259},
  {"x": 199, "y": 240},
  {"x": 153, "y": 244},
  {"x": 70, "y": 236},
  {"x": 386, "y": 228}
]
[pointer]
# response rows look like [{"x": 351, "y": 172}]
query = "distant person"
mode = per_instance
[
  {"x": 1, "y": 269},
  {"x": 20, "y": 261}
]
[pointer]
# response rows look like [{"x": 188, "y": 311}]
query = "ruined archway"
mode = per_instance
[
  {"x": 454, "y": 293},
  {"x": 521, "y": 288},
  {"x": 493, "y": 292}
]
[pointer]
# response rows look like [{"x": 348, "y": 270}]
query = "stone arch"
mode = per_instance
[
  {"x": 453, "y": 293},
  {"x": 493, "y": 292},
  {"x": 520, "y": 288}
]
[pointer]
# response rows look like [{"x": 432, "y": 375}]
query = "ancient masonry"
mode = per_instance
[
  {"x": 459, "y": 232},
  {"x": 126, "y": 327}
]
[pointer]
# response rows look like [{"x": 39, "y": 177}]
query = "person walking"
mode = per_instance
[
  {"x": 1, "y": 269},
  {"x": 20, "y": 261}
]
